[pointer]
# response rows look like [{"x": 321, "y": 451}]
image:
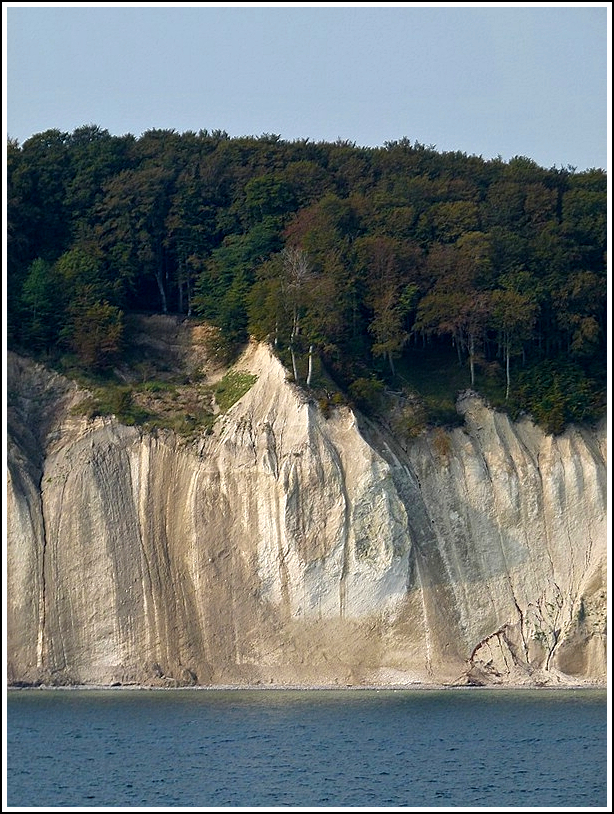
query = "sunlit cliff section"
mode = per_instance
[{"x": 284, "y": 547}]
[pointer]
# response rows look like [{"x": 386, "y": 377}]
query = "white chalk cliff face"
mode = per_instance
[{"x": 288, "y": 548}]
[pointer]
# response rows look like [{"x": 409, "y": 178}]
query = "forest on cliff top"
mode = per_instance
[{"x": 397, "y": 268}]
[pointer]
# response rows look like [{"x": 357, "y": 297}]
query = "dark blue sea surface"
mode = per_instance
[{"x": 306, "y": 748}]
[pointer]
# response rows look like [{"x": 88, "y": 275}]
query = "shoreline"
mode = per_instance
[{"x": 305, "y": 688}]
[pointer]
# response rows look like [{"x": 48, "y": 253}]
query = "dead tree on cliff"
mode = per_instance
[{"x": 296, "y": 273}]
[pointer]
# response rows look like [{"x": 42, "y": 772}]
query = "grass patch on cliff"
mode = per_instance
[
  {"x": 188, "y": 425},
  {"x": 186, "y": 410},
  {"x": 117, "y": 400},
  {"x": 232, "y": 387}
]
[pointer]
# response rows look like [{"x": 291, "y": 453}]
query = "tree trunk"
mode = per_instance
[
  {"x": 310, "y": 368},
  {"x": 295, "y": 371},
  {"x": 471, "y": 358},
  {"x": 456, "y": 341},
  {"x": 180, "y": 294},
  {"x": 160, "y": 281},
  {"x": 391, "y": 363},
  {"x": 295, "y": 324}
]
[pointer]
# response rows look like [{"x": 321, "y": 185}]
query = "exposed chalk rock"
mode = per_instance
[{"x": 290, "y": 548}]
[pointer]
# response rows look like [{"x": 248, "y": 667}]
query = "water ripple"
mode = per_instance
[{"x": 304, "y": 749}]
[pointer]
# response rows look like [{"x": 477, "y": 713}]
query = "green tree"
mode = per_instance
[
  {"x": 388, "y": 267},
  {"x": 268, "y": 195},
  {"x": 584, "y": 217},
  {"x": 580, "y": 306},
  {"x": 81, "y": 269},
  {"x": 462, "y": 315},
  {"x": 132, "y": 230},
  {"x": 94, "y": 158},
  {"x": 95, "y": 332},
  {"x": 267, "y": 316},
  {"x": 224, "y": 282},
  {"x": 513, "y": 315},
  {"x": 191, "y": 228},
  {"x": 45, "y": 172},
  {"x": 504, "y": 206},
  {"x": 326, "y": 232},
  {"x": 449, "y": 220},
  {"x": 42, "y": 306},
  {"x": 296, "y": 277}
]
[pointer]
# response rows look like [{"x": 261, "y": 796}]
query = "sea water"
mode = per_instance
[{"x": 445, "y": 748}]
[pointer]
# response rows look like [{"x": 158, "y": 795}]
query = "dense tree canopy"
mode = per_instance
[{"x": 359, "y": 257}]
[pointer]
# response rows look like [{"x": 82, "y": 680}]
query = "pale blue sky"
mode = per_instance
[{"x": 486, "y": 80}]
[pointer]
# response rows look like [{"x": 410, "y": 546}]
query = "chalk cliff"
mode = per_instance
[{"x": 287, "y": 547}]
